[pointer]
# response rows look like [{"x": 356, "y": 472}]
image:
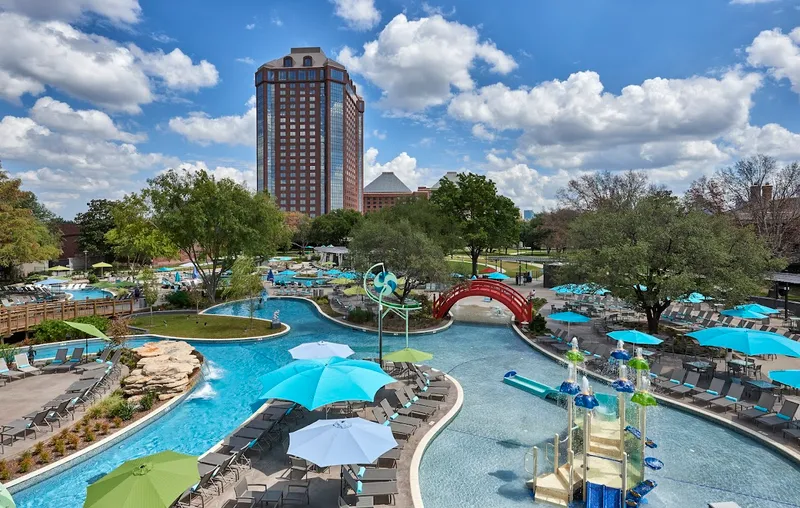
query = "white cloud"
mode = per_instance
[
  {"x": 249, "y": 26},
  {"x": 403, "y": 166},
  {"x": 275, "y": 20},
  {"x": 162, "y": 38},
  {"x": 61, "y": 117},
  {"x": 432, "y": 10},
  {"x": 358, "y": 14},
  {"x": 13, "y": 87},
  {"x": 481, "y": 132},
  {"x": 177, "y": 69},
  {"x": 245, "y": 177},
  {"x": 417, "y": 63},
  {"x": 120, "y": 11},
  {"x": 779, "y": 53},
  {"x": 246, "y": 60},
  {"x": 232, "y": 129},
  {"x": 527, "y": 187},
  {"x": 379, "y": 134},
  {"x": 771, "y": 139}
]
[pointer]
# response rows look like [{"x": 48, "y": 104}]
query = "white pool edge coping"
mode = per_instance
[
  {"x": 686, "y": 408},
  {"x": 427, "y": 439}
]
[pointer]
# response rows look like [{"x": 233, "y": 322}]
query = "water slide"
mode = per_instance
[{"x": 541, "y": 390}]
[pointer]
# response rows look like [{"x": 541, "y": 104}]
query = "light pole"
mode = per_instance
[
  {"x": 786, "y": 288},
  {"x": 86, "y": 262}
]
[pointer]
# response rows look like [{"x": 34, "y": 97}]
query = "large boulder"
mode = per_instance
[{"x": 164, "y": 368}]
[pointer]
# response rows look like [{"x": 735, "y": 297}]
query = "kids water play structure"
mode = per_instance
[
  {"x": 606, "y": 443},
  {"x": 503, "y": 293}
]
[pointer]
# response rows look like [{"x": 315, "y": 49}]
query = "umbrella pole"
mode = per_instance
[{"x": 380, "y": 334}]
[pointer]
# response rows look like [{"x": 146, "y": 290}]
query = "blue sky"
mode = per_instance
[{"x": 96, "y": 96}]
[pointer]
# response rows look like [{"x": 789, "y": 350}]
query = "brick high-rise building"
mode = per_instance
[{"x": 310, "y": 133}]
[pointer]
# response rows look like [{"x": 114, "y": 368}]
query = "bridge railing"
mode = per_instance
[
  {"x": 515, "y": 301},
  {"x": 19, "y": 318}
]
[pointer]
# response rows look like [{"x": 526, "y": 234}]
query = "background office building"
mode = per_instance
[{"x": 310, "y": 134}]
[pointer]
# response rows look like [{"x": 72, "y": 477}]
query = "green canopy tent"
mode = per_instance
[
  {"x": 101, "y": 265},
  {"x": 89, "y": 330}
]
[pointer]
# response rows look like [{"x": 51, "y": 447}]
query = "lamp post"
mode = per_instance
[
  {"x": 86, "y": 262},
  {"x": 786, "y": 288}
]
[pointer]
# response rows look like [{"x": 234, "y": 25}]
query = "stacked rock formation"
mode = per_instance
[{"x": 165, "y": 368}]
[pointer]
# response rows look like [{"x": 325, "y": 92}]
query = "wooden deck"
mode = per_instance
[{"x": 20, "y": 318}]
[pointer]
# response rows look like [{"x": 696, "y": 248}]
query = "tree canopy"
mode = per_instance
[
  {"x": 213, "y": 220},
  {"x": 94, "y": 224},
  {"x": 298, "y": 226},
  {"x": 658, "y": 251},
  {"x": 245, "y": 282},
  {"x": 24, "y": 236},
  {"x": 426, "y": 216},
  {"x": 605, "y": 189},
  {"x": 134, "y": 237},
  {"x": 334, "y": 228},
  {"x": 482, "y": 218},
  {"x": 405, "y": 249}
]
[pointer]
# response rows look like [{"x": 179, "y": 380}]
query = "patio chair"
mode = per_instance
[
  {"x": 297, "y": 492},
  {"x": 676, "y": 378},
  {"x": 373, "y": 474},
  {"x": 417, "y": 400},
  {"x": 711, "y": 393},
  {"x": 782, "y": 417},
  {"x": 23, "y": 366},
  {"x": 401, "y": 429},
  {"x": 54, "y": 413},
  {"x": 762, "y": 408},
  {"x": 431, "y": 392},
  {"x": 356, "y": 501},
  {"x": 24, "y": 427},
  {"x": 74, "y": 360},
  {"x": 397, "y": 417},
  {"x": 388, "y": 489},
  {"x": 244, "y": 494},
  {"x": 730, "y": 400},
  {"x": 200, "y": 489},
  {"x": 407, "y": 407},
  {"x": 793, "y": 432},
  {"x": 687, "y": 386},
  {"x": 7, "y": 373},
  {"x": 61, "y": 357}
]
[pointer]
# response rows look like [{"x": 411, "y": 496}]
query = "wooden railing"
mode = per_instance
[{"x": 19, "y": 318}]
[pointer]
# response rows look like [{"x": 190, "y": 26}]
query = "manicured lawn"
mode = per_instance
[
  {"x": 465, "y": 267},
  {"x": 203, "y": 326}
]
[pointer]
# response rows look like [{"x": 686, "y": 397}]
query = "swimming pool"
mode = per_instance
[
  {"x": 89, "y": 294},
  {"x": 478, "y": 458}
]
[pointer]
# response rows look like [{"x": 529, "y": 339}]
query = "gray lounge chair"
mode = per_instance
[
  {"x": 762, "y": 408},
  {"x": 688, "y": 385},
  {"x": 675, "y": 379},
  {"x": 793, "y": 432},
  {"x": 397, "y": 428},
  {"x": 713, "y": 391},
  {"x": 408, "y": 408},
  {"x": 244, "y": 494},
  {"x": 356, "y": 501},
  {"x": 24, "y": 427},
  {"x": 417, "y": 400},
  {"x": 373, "y": 474},
  {"x": 23, "y": 366},
  {"x": 74, "y": 360},
  {"x": 732, "y": 398},
  {"x": 783, "y": 417},
  {"x": 396, "y": 417},
  {"x": 58, "y": 361},
  {"x": 431, "y": 392},
  {"x": 388, "y": 489},
  {"x": 7, "y": 373}
]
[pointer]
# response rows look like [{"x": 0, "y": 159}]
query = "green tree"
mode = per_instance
[
  {"x": 405, "y": 250},
  {"x": 605, "y": 189},
  {"x": 149, "y": 289},
  {"x": 213, "y": 221},
  {"x": 95, "y": 223},
  {"x": 334, "y": 228},
  {"x": 484, "y": 220},
  {"x": 299, "y": 228},
  {"x": 245, "y": 282},
  {"x": 659, "y": 251},
  {"x": 555, "y": 226},
  {"x": 426, "y": 216},
  {"x": 134, "y": 236},
  {"x": 533, "y": 233},
  {"x": 24, "y": 237}
]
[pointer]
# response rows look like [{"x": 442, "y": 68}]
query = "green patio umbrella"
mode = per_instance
[
  {"x": 355, "y": 290},
  {"x": 59, "y": 269},
  {"x": 102, "y": 265},
  {"x": 5, "y": 498},
  {"x": 90, "y": 330},
  {"x": 154, "y": 481},
  {"x": 408, "y": 355}
]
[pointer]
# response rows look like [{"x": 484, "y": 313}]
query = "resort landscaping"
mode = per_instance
[{"x": 203, "y": 326}]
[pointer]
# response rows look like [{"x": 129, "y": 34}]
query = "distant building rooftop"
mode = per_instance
[
  {"x": 331, "y": 250},
  {"x": 318, "y": 58},
  {"x": 450, "y": 175},
  {"x": 387, "y": 183}
]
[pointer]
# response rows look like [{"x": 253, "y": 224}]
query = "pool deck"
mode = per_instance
[{"x": 271, "y": 468}]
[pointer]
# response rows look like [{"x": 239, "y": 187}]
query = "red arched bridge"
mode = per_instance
[{"x": 503, "y": 293}]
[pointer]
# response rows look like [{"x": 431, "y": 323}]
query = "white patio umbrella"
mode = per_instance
[
  {"x": 338, "y": 442},
  {"x": 321, "y": 349}
]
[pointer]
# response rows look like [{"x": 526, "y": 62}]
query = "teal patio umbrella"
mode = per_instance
[
  {"x": 569, "y": 318},
  {"x": 786, "y": 377},
  {"x": 497, "y": 276},
  {"x": 5, "y": 498},
  {"x": 743, "y": 314},
  {"x": 761, "y": 309},
  {"x": 635, "y": 337},
  {"x": 318, "y": 382},
  {"x": 747, "y": 341}
]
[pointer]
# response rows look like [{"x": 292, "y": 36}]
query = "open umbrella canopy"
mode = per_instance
[
  {"x": 59, "y": 269},
  {"x": 693, "y": 298},
  {"x": 747, "y": 341},
  {"x": 355, "y": 290},
  {"x": 338, "y": 442},
  {"x": 488, "y": 269},
  {"x": 315, "y": 383},
  {"x": 333, "y": 272},
  {"x": 288, "y": 272},
  {"x": 87, "y": 329},
  {"x": 743, "y": 314},
  {"x": 635, "y": 337},
  {"x": 154, "y": 481},
  {"x": 102, "y": 264},
  {"x": 756, "y": 307},
  {"x": 5, "y": 498},
  {"x": 408, "y": 355},
  {"x": 165, "y": 269},
  {"x": 497, "y": 276},
  {"x": 569, "y": 317},
  {"x": 321, "y": 349},
  {"x": 786, "y": 377}
]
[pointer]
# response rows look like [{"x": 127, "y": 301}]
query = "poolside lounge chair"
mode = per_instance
[
  {"x": 783, "y": 417},
  {"x": 401, "y": 429},
  {"x": 397, "y": 417},
  {"x": 763, "y": 407},
  {"x": 407, "y": 407},
  {"x": 688, "y": 385},
  {"x": 675, "y": 379},
  {"x": 200, "y": 489},
  {"x": 356, "y": 501},
  {"x": 7, "y": 373},
  {"x": 373, "y": 474},
  {"x": 61, "y": 357},
  {"x": 25, "y": 427},
  {"x": 431, "y": 391},
  {"x": 378, "y": 488},
  {"x": 74, "y": 360},
  {"x": 244, "y": 494},
  {"x": 732, "y": 398},
  {"x": 417, "y": 400},
  {"x": 23, "y": 366},
  {"x": 712, "y": 392}
]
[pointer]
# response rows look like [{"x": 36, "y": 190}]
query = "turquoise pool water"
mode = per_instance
[
  {"x": 478, "y": 459},
  {"x": 88, "y": 294}
]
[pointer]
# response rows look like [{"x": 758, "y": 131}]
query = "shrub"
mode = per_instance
[
  {"x": 96, "y": 410},
  {"x": 92, "y": 278},
  {"x": 5, "y": 474},
  {"x": 98, "y": 426},
  {"x": 73, "y": 440},
  {"x": 538, "y": 303},
  {"x": 104, "y": 428},
  {"x": 538, "y": 325},
  {"x": 359, "y": 315},
  {"x": 88, "y": 435},
  {"x": 147, "y": 400},
  {"x": 7, "y": 352},
  {"x": 179, "y": 300},
  {"x": 24, "y": 464},
  {"x": 129, "y": 359},
  {"x": 122, "y": 409},
  {"x": 117, "y": 422},
  {"x": 60, "y": 447},
  {"x": 45, "y": 456},
  {"x": 55, "y": 330},
  {"x": 38, "y": 448}
]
